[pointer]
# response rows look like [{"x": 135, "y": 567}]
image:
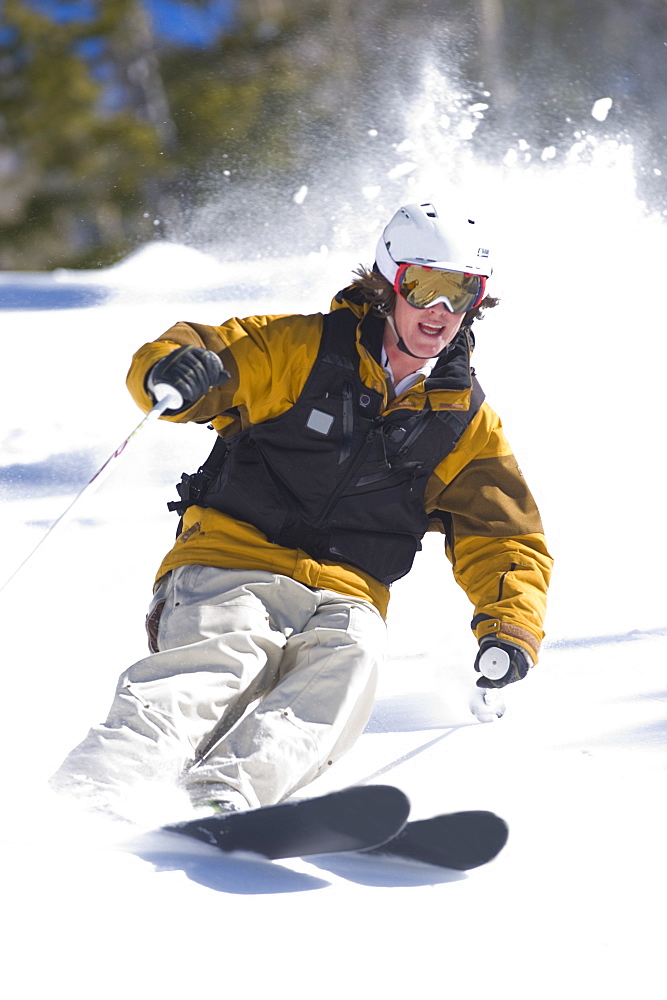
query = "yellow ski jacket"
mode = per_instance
[{"x": 494, "y": 535}]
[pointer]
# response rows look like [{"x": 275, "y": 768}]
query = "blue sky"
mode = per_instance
[
  {"x": 185, "y": 23},
  {"x": 175, "y": 21}
]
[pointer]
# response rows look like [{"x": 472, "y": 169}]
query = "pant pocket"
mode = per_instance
[{"x": 153, "y": 625}]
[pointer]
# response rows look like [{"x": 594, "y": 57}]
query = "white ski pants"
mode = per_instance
[{"x": 305, "y": 660}]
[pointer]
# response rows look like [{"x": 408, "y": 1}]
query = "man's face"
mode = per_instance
[{"x": 426, "y": 332}]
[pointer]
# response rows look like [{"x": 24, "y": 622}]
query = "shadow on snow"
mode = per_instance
[
  {"x": 248, "y": 875},
  {"x": 56, "y": 475},
  {"x": 37, "y": 295}
]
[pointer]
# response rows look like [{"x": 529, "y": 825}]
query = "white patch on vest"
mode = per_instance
[{"x": 319, "y": 421}]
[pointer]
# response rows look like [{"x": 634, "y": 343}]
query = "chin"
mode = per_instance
[{"x": 430, "y": 349}]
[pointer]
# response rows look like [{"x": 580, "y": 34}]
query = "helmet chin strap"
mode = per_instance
[{"x": 400, "y": 343}]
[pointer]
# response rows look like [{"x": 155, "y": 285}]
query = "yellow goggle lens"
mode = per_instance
[{"x": 422, "y": 287}]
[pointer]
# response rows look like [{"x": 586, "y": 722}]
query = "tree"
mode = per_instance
[{"x": 80, "y": 156}]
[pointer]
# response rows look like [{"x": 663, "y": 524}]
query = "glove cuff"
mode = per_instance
[
  {"x": 496, "y": 630},
  {"x": 512, "y": 648}
]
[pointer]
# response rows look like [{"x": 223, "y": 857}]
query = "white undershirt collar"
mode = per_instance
[{"x": 411, "y": 379}]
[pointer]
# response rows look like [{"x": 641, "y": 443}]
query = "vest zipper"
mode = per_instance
[
  {"x": 417, "y": 432},
  {"x": 335, "y": 496},
  {"x": 348, "y": 424}
]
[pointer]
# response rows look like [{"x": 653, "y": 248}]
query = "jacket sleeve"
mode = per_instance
[
  {"x": 495, "y": 539},
  {"x": 268, "y": 358}
]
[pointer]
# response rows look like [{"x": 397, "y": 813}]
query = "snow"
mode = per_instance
[
  {"x": 601, "y": 108},
  {"x": 572, "y": 906}
]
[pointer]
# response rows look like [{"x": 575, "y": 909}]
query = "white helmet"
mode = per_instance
[{"x": 417, "y": 235}]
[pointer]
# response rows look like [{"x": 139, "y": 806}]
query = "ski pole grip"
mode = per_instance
[
  {"x": 167, "y": 398},
  {"x": 494, "y": 663}
]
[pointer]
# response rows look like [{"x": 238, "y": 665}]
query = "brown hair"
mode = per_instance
[{"x": 375, "y": 288}]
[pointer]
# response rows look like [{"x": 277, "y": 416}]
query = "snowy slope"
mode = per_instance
[{"x": 577, "y": 765}]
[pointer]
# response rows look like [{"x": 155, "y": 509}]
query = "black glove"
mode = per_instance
[
  {"x": 494, "y": 654},
  {"x": 190, "y": 370}
]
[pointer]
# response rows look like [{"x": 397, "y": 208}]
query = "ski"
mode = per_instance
[
  {"x": 461, "y": 840},
  {"x": 354, "y": 819},
  {"x": 363, "y": 818}
]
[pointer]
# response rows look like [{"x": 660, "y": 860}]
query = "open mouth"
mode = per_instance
[{"x": 430, "y": 331}]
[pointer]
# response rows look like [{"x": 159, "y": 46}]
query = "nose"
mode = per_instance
[{"x": 439, "y": 311}]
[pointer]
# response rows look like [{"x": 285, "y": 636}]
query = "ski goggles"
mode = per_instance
[{"x": 422, "y": 287}]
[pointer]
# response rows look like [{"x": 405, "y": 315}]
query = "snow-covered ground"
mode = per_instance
[{"x": 574, "y": 361}]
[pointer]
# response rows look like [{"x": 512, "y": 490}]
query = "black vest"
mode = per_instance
[{"x": 333, "y": 476}]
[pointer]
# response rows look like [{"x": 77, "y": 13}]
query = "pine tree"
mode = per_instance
[{"x": 79, "y": 162}]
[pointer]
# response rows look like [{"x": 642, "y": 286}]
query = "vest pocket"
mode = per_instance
[{"x": 387, "y": 557}]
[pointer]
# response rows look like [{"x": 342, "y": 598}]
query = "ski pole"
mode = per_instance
[{"x": 167, "y": 398}]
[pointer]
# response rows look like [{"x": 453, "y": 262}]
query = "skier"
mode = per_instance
[{"x": 341, "y": 439}]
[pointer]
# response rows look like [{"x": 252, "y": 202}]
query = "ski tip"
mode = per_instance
[
  {"x": 388, "y": 798},
  {"x": 387, "y": 793},
  {"x": 368, "y": 815},
  {"x": 476, "y": 837},
  {"x": 462, "y": 840}
]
